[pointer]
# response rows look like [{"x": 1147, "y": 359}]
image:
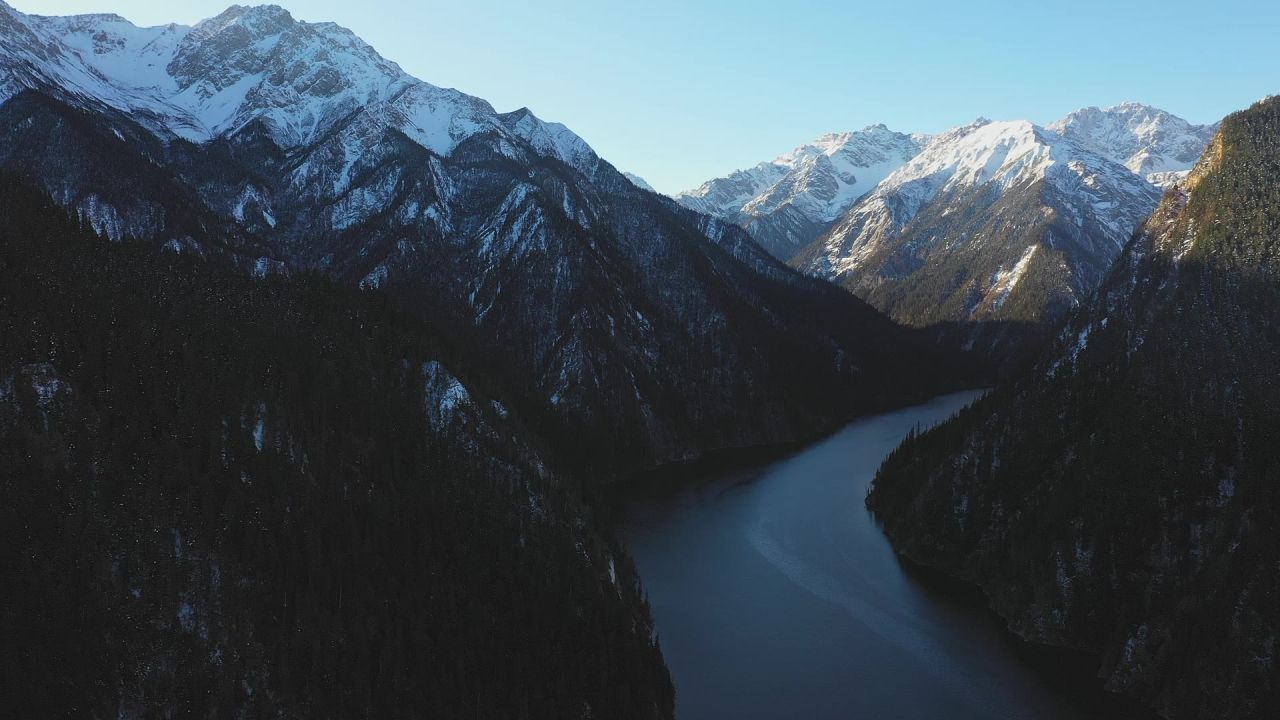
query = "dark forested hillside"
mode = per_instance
[
  {"x": 231, "y": 497},
  {"x": 1123, "y": 496}
]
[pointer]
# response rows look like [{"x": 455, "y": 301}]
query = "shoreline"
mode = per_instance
[{"x": 1063, "y": 666}]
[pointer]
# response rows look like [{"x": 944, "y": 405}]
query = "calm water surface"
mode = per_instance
[{"x": 776, "y": 596}]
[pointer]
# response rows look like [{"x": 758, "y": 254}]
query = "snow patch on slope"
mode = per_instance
[
  {"x": 445, "y": 395},
  {"x": 1004, "y": 281}
]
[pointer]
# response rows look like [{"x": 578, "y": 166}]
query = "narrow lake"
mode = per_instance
[{"x": 777, "y": 596}]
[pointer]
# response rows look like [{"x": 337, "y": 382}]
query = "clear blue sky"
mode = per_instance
[{"x": 683, "y": 90}]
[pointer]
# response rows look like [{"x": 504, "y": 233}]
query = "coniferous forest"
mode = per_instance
[{"x": 223, "y": 497}]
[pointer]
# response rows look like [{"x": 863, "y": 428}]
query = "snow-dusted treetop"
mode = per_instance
[{"x": 252, "y": 64}]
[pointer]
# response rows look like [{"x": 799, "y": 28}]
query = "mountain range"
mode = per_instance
[{"x": 992, "y": 223}]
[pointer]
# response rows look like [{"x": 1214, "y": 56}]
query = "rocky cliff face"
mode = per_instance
[{"x": 1121, "y": 496}]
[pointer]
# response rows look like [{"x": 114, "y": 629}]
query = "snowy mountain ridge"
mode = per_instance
[
  {"x": 998, "y": 156},
  {"x": 829, "y": 174},
  {"x": 786, "y": 202},
  {"x": 1154, "y": 143},
  {"x": 252, "y": 64},
  {"x": 1003, "y": 221},
  {"x": 789, "y": 201}
]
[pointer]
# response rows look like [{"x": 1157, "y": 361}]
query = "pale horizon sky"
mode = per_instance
[{"x": 680, "y": 92}]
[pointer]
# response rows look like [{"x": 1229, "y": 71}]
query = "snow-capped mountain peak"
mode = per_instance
[
  {"x": 1149, "y": 141},
  {"x": 788, "y": 201},
  {"x": 247, "y": 65},
  {"x": 725, "y": 196},
  {"x": 551, "y": 139},
  {"x": 953, "y": 234},
  {"x": 829, "y": 174},
  {"x": 1003, "y": 153},
  {"x": 257, "y": 20}
]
